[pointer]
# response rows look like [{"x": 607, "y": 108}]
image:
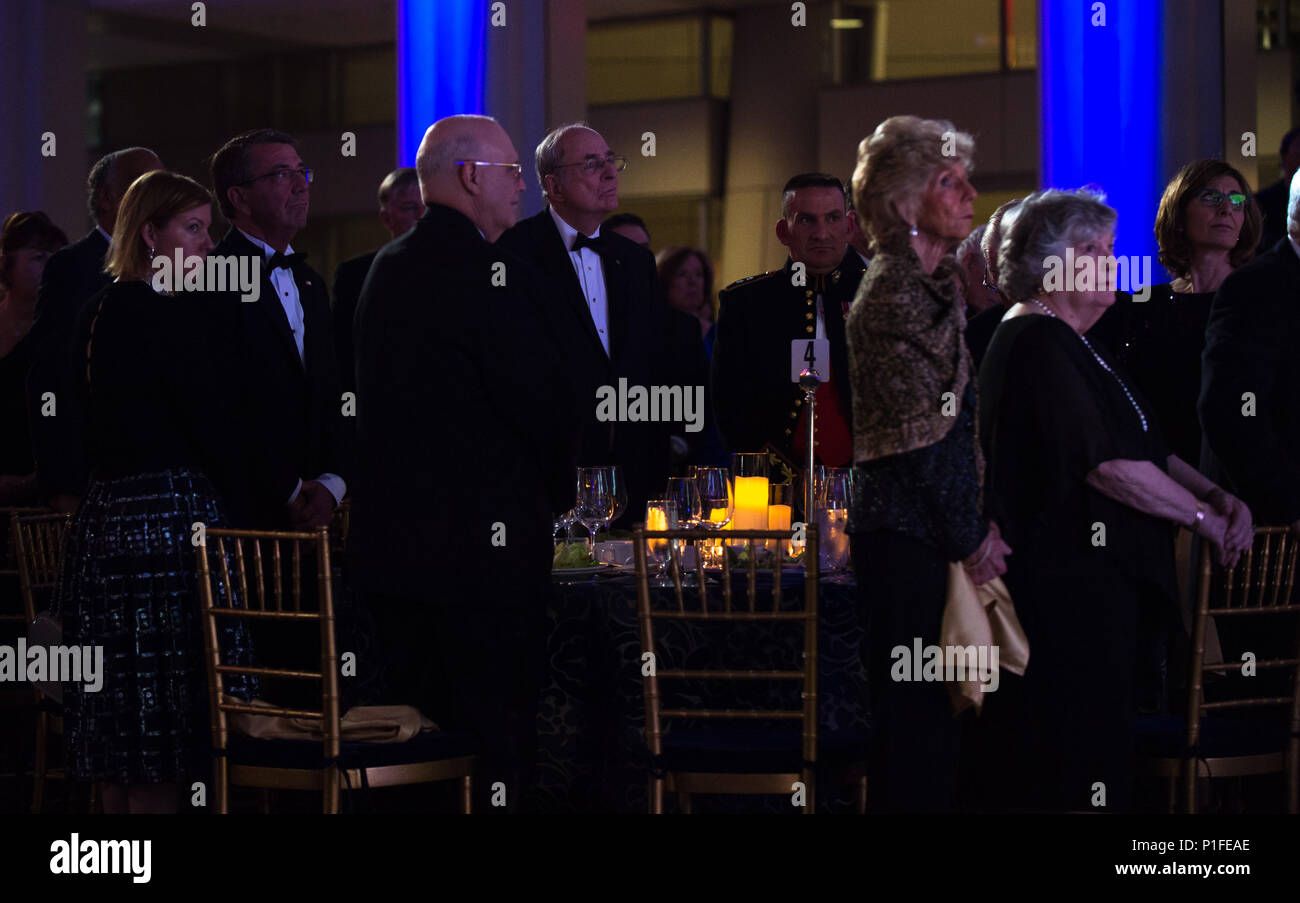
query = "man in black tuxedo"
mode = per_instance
[
  {"x": 71, "y": 277},
  {"x": 603, "y": 300},
  {"x": 261, "y": 185},
  {"x": 399, "y": 207},
  {"x": 1250, "y": 381},
  {"x": 464, "y": 453},
  {"x": 756, "y": 404}
]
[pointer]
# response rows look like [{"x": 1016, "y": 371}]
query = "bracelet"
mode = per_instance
[
  {"x": 1195, "y": 525},
  {"x": 988, "y": 549}
]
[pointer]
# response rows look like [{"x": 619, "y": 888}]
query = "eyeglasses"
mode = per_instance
[
  {"x": 594, "y": 164},
  {"x": 280, "y": 176},
  {"x": 1211, "y": 198},
  {"x": 517, "y": 168}
]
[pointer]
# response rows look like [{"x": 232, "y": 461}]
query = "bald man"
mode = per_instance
[
  {"x": 463, "y": 456},
  {"x": 71, "y": 277}
]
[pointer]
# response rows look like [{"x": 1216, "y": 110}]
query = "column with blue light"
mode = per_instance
[
  {"x": 441, "y": 65},
  {"x": 1100, "y": 106}
]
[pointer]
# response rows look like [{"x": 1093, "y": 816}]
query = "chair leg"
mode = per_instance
[
  {"x": 221, "y": 786},
  {"x": 466, "y": 795},
  {"x": 862, "y": 795},
  {"x": 655, "y": 795},
  {"x": 684, "y": 803},
  {"x": 1171, "y": 802},
  {"x": 265, "y": 798},
  {"x": 39, "y": 765}
]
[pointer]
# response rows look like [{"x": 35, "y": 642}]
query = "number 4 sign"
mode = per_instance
[{"x": 810, "y": 354}]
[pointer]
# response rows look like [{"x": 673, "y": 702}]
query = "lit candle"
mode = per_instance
[
  {"x": 778, "y": 518},
  {"x": 656, "y": 518},
  {"x": 751, "y": 504}
]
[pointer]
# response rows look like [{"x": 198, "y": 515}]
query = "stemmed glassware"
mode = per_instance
[
  {"x": 563, "y": 522},
  {"x": 620, "y": 493},
  {"x": 834, "y": 499},
  {"x": 686, "y": 494},
  {"x": 660, "y": 514},
  {"x": 717, "y": 506},
  {"x": 595, "y": 500}
]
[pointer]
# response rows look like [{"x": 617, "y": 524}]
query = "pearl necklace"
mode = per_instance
[{"x": 1105, "y": 366}]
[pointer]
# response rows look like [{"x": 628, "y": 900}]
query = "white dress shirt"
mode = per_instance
[
  {"x": 591, "y": 276},
  {"x": 286, "y": 292}
]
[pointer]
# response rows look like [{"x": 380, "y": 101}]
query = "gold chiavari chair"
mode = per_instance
[
  {"x": 1239, "y": 723},
  {"x": 722, "y": 759},
  {"x": 266, "y": 567},
  {"x": 36, "y": 539}
]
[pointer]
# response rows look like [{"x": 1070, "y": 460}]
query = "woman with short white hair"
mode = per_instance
[{"x": 1086, "y": 491}]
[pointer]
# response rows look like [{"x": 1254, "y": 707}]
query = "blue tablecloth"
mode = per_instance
[{"x": 592, "y": 750}]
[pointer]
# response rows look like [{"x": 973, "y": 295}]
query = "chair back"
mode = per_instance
[
  {"x": 36, "y": 540},
  {"x": 1259, "y": 592},
  {"x": 257, "y": 576},
  {"x": 698, "y": 605}
]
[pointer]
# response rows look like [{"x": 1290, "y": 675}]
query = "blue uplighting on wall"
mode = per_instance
[
  {"x": 1100, "y": 109},
  {"x": 441, "y": 61}
]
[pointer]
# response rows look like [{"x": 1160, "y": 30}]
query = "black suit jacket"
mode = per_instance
[
  {"x": 311, "y": 434},
  {"x": 463, "y": 422},
  {"x": 72, "y": 275},
  {"x": 348, "y": 279},
  {"x": 755, "y": 402},
  {"x": 638, "y": 348},
  {"x": 1272, "y": 207},
  {"x": 1250, "y": 346}
]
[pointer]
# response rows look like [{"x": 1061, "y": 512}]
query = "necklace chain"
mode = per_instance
[{"x": 1105, "y": 366}]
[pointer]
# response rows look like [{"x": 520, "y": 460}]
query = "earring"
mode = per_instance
[
  {"x": 151, "y": 253},
  {"x": 912, "y": 232}
]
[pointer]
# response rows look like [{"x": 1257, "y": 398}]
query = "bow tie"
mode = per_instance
[
  {"x": 286, "y": 261},
  {"x": 597, "y": 244}
]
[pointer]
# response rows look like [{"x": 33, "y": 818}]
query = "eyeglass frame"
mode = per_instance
[
  {"x": 1200, "y": 198},
  {"x": 518, "y": 167},
  {"x": 279, "y": 174},
  {"x": 619, "y": 161}
]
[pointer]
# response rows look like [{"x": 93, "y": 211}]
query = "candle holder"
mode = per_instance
[
  {"x": 750, "y": 470},
  {"x": 660, "y": 514},
  {"x": 779, "y": 510}
]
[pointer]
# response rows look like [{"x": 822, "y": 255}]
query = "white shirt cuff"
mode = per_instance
[
  {"x": 334, "y": 483},
  {"x": 294, "y": 497}
]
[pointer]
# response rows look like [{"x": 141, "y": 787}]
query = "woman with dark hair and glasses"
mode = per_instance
[{"x": 1206, "y": 227}]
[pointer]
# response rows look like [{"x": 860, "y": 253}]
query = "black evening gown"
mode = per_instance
[
  {"x": 159, "y": 441},
  {"x": 1160, "y": 341},
  {"x": 1087, "y": 573}
]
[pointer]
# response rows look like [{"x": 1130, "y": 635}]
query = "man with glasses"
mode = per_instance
[
  {"x": 261, "y": 185},
  {"x": 464, "y": 453},
  {"x": 603, "y": 301}
]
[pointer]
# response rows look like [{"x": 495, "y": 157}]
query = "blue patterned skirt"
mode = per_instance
[{"x": 128, "y": 584}]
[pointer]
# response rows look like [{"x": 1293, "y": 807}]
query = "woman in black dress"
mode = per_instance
[
  {"x": 27, "y": 240},
  {"x": 163, "y": 438},
  {"x": 1087, "y": 493},
  {"x": 1207, "y": 226}
]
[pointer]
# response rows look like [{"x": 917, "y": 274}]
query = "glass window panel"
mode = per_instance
[
  {"x": 921, "y": 38},
  {"x": 369, "y": 85},
  {"x": 652, "y": 60},
  {"x": 720, "y": 64}
]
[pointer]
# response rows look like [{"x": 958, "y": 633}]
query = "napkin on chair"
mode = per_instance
[{"x": 359, "y": 724}]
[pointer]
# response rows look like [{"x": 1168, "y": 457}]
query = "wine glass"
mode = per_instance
[
  {"x": 834, "y": 499},
  {"x": 595, "y": 503},
  {"x": 563, "y": 522},
  {"x": 660, "y": 514},
  {"x": 620, "y": 492},
  {"x": 686, "y": 494},
  {"x": 716, "y": 506}
]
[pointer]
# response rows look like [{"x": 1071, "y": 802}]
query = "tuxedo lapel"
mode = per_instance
[
  {"x": 272, "y": 310},
  {"x": 561, "y": 272}
]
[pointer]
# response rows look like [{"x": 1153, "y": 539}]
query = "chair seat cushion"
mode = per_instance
[
  {"x": 746, "y": 749},
  {"x": 427, "y": 746},
  {"x": 1222, "y": 736}
]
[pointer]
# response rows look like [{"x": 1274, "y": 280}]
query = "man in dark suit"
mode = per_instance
[
  {"x": 261, "y": 185},
  {"x": 1272, "y": 200},
  {"x": 1250, "y": 380},
  {"x": 603, "y": 300},
  {"x": 464, "y": 453},
  {"x": 71, "y": 277},
  {"x": 399, "y": 207},
  {"x": 755, "y": 402}
]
